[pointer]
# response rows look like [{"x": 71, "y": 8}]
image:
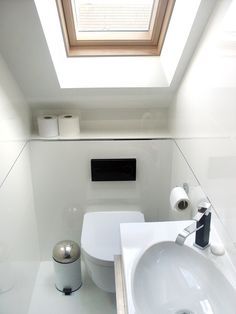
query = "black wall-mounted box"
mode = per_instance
[{"x": 113, "y": 169}]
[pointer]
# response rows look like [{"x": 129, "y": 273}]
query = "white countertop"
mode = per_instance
[{"x": 137, "y": 237}]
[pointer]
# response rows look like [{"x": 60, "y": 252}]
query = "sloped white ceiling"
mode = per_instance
[{"x": 24, "y": 48}]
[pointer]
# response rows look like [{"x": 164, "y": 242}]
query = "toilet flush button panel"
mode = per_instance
[{"x": 123, "y": 169}]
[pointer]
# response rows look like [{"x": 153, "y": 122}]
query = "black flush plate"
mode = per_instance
[{"x": 113, "y": 169}]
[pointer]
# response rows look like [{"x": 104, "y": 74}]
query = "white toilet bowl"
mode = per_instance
[{"x": 100, "y": 241}]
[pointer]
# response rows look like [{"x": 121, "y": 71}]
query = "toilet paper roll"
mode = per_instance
[
  {"x": 47, "y": 125},
  {"x": 179, "y": 200},
  {"x": 68, "y": 125}
]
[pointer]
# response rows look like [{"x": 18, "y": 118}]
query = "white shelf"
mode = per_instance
[{"x": 159, "y": 134}]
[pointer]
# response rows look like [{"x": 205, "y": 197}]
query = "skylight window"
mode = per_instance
[
  {"x": 114, "y": 27},
  {"x": 112, "y": 15}
]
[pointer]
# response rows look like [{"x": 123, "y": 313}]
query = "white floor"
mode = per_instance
[{"x": 87, "y": 300}]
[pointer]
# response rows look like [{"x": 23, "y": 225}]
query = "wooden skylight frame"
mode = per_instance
[{"x": 148, "y": 43}]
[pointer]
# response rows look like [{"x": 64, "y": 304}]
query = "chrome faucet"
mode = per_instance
[{"x": 201, "y": 226}]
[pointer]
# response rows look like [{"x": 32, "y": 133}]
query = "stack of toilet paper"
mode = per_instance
[{"x": 66, "y": 125}]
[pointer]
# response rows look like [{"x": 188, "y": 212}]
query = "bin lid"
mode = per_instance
[{"x": 66, "y": 251}]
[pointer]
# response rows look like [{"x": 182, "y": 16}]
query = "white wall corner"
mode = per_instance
[{"x": 187, "y": 24}]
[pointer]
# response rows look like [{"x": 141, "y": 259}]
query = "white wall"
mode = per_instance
[
  {"x": 114, "y": 123},
  {"x": 14, "y": 121},
  {"x": 19, "y": 253},
  {"x": 202, "y": 117},
  {"x": 181, "y": 175},
  {"x": 63, "y": 188},
  {"x": 64, "y": 191}
]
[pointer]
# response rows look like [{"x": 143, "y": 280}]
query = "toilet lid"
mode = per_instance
[{"x": 101, "y": 232}]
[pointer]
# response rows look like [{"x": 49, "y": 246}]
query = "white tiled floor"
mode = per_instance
[{"x": 87, "y": 300}]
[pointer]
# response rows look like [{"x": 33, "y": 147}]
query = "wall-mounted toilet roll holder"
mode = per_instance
[{"x": 179, "y": 198}]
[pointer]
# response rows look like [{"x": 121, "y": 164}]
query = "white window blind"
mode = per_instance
[{"x": 112, "y": 15}]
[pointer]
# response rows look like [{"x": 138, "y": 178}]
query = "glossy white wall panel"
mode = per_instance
[
  {"x": 202, "y": 118},
  {"x": 19, "y": 248},
  {"x": 14, "y": 120},
  {"x": 216, "y": 171},
  {"x": 114, "y": 123},
  {"x": 18, "y": 236},
  {"x": 63, "y": 188},
  {"x": 205, "y": 102},
  {"x": 182, "y": 174}
]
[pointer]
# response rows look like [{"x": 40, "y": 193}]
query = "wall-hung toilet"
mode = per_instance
[{"x": 100, "y": 241}]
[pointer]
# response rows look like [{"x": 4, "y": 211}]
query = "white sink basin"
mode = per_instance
[{"x": 169, "y": 278}]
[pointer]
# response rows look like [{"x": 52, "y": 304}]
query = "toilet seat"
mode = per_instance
[{"x": 100, "y": 239}]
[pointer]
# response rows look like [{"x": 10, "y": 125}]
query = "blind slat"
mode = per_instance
[{"x": 113, "y": 15}]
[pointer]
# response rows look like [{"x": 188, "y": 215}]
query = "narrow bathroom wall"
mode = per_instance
[
  {"x": 19, "y": 251},
  {"x": 64, "y": 191},
  {"x": 128, "y": 122},
  {"x": 202, "y": 117},
  {"x": 182, "y": 176},
  {"x": 14, "y": 121}
]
